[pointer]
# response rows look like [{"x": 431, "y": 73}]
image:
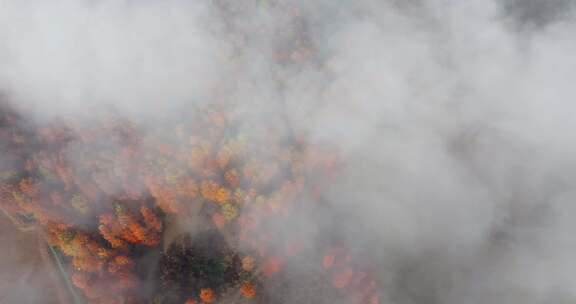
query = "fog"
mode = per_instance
[{"x": 452, "y": 119}]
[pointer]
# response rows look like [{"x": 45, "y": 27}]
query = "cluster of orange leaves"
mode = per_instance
[
  {"x": 124, "y": 227},
  {"x": 248, "y": 290},
  {"x": 207, "y": 295}
]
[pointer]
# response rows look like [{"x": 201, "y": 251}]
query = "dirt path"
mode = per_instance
[{"x": 24, "y": 277}]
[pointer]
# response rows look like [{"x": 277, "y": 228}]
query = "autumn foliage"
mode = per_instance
[
  {"x": 104, "y": 191},
  {"x": 99, "y": 210}
]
